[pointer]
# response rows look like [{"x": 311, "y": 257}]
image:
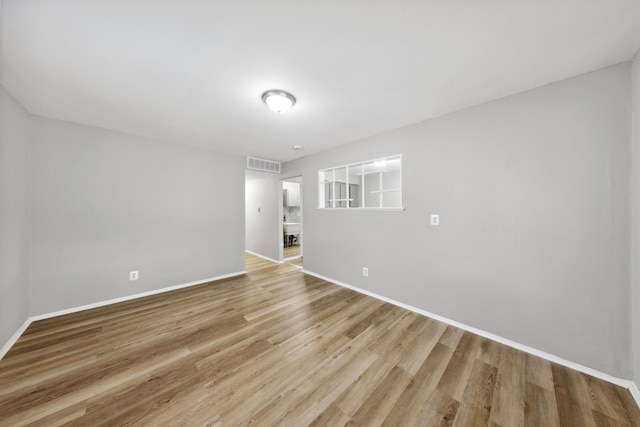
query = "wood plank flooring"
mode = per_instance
[
  {"x": 276, "y": 347},
  {"x": 295, "y": 261},
  {"x": 291, "y": 251}
]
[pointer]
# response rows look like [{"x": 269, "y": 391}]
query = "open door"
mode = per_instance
[{"x": 292, "y": 221}]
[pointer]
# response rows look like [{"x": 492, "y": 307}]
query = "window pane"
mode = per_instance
[
  {"x": 391, "y": 199},
  {"x": 391, "y": 185},
  {"x": 354, "y": 185},
  {"x": 372, "y": 184},
  {"x": 328, "y": 194},
  {"x": 354, "y": 196},
  {"x": 340, "y": 188}
]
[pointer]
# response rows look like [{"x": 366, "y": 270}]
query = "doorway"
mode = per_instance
[{"x": 291, "y": 225}]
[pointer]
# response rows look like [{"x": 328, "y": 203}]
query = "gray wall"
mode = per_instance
[
  {"x": 14, "y": 216},
  {"x": 106, "y": 203},
  {"x": 262, "y": 190},
  {"x": 533, "y": 196},
  {"x": 635, "y": 253}
]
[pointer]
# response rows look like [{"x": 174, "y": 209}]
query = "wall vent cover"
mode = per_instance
[{"x": 263, "y": 165}]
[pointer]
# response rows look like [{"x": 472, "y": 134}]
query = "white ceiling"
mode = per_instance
[{"x": 193, "y": 71}]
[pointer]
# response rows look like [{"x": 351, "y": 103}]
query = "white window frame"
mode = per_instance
[{"x": 328, "y": 176}]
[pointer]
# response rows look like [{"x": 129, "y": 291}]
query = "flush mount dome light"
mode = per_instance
[{"x": 278, "y": 100}]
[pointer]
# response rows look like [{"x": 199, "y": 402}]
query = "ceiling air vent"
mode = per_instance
[{"x": 263, "y": 165}]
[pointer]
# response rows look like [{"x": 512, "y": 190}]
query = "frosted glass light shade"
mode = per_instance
[{"x": 278, "y": 100}]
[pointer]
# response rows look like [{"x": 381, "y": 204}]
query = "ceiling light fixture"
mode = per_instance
[{"x": 278, "y": 100}]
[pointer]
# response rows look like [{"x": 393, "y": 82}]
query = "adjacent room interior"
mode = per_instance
[{"x": 392, "y": 213}]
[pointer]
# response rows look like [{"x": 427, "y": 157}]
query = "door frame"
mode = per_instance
[{"x": 296, "y": 179}]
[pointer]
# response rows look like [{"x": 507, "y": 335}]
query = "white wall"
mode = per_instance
[
  {"x": 14, "y": 216},
  {"x": 262, "y": 190},
  {"x": 106, "y": 203},
  {"x": 635, "y": 199},
  {"x": 533, "y": 196}
]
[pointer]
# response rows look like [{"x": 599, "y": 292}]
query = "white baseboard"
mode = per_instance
[
  {"x": 131, "y": 297},
  {"x": 560, "y": 361},
  {"x": 633, "y": 388},
  {"x": 5, "y": 349},
  {"x": 630, "y": 385},
  {"x": 31, "y": 319},
  {"x": 262, "y": 256}
]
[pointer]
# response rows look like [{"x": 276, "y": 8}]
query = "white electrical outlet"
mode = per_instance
[
  {"x": 435, "y": 219},
  {"x": 133, "y": 275},
  {"x": 365, "y": 271}
]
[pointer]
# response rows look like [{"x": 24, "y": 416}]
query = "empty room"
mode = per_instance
[{"x": 366, "y": 213}]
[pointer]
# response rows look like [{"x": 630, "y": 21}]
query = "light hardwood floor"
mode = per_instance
[
  {"x": 277, "y": 347},
  {"x": 291, "y": 251}
]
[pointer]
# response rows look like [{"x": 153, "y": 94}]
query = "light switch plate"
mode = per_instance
[{"x": 435, "y": 219}]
